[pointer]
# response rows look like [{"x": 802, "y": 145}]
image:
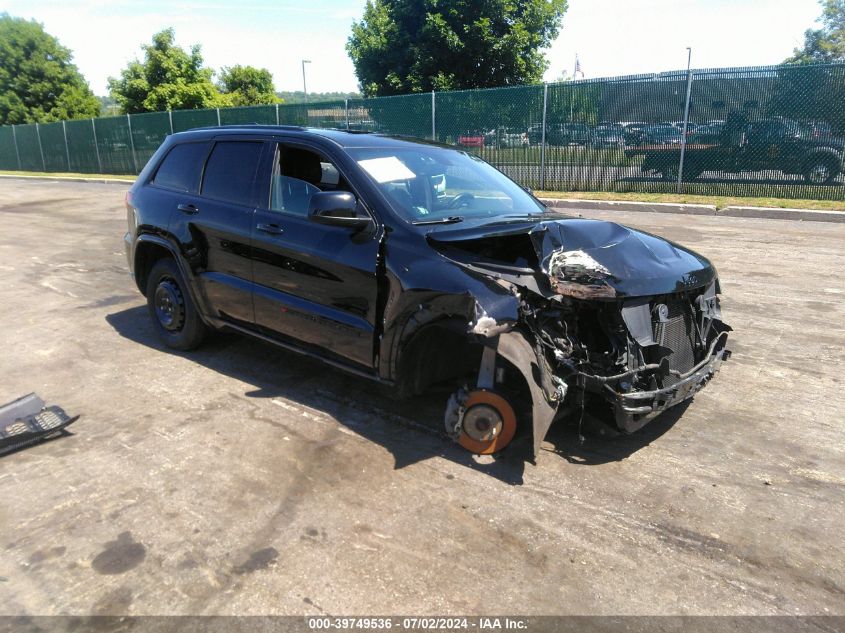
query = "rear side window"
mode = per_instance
[
  {"x": 180, "y": 169},
  {"x": 230, "y": 172}
]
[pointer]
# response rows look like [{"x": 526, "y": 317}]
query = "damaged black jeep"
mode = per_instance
[{"x": 420, "y": 266}]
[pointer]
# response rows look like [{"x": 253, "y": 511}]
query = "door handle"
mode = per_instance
[
  {"x": 190, "y": 209},
  {"x": 272, "y": 229}
]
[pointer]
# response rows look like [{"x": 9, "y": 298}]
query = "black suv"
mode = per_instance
[{"x": 415, "y": 264}]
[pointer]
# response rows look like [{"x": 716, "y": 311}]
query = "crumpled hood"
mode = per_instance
[{"x": 589, "y": 259}]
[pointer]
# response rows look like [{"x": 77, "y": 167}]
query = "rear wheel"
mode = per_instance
[
  {"x": 171, "y": 309},
  {"x": 821, "y": 172},
  {"x": 669, "y": 172}
]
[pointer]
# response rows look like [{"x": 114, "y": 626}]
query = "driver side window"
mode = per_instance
[{"x": 297, "y": 175}]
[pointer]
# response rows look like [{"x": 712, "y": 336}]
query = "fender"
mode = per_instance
[
  {"x": 515, "y": 348},
  {"x": 822, "y": 152},
  {"x": 184, "y": 269}
]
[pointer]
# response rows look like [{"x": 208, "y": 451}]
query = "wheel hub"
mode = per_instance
[
  {"x": 169, "y": 305},
  {"x": 482, "y": 422},
  {"x": 820, "y": 173}
]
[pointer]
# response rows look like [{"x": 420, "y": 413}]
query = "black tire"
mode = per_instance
[
  {"x": 173, "y": 313},
  {"x": 669, "y": 173},
  {"x": 821, "y": 171}
]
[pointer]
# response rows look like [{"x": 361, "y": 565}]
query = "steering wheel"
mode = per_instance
[{"x": 462, "y": 199}]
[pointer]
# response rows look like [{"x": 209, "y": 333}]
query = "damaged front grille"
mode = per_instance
[{"x": 674, "y": 332}]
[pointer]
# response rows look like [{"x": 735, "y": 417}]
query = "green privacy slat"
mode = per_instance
[
  {"x": 406, "y": 115},
  {"x": 114, "y": 145},
  {"x": 30, "y": 153},
  {"x": 505, "y": 127},
  {"x": 189, "y": 119},
  {"x": 263, "y": 115},
  {"x": 8, "y": 156},
  {"x": 53, "y": 144},
  {"x": 148, "y": 132},
  {"x": 293, "y": 114},
  {"x": 83, "y": 152}
]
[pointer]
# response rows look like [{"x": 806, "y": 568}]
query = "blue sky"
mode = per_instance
[{"x": 612, "y": 37}]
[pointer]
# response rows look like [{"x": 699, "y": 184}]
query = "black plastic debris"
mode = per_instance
[{"x": 28, "y": 420}]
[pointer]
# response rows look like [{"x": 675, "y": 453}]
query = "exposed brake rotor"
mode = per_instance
[{"x": 481, "y": 421}]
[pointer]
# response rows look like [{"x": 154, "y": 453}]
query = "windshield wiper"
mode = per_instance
[{"x": 454, "y": 219}]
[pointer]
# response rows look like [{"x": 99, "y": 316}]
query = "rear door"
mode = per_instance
[
  {"x": 313, "y": 283},
  {"x": 215, "y": 228}
]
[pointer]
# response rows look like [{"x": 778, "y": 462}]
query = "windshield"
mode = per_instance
[{"x": 430, "y": 184}]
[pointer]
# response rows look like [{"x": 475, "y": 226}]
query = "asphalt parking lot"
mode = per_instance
[{"x": 239, "y": 479}]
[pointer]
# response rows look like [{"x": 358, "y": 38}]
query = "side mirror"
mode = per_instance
[{"x": 336, "y": 208}]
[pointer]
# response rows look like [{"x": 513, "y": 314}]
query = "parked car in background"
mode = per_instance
[
  {"x": 607, "y": 137},
  {"x": 568, "y": 134},
  {"x": 507, "y": 137},
  {"x": 709, "y": 133},
  {"x": 679, "y": 125},
  {"x": 661, "y": 135},
  {"x": 765, "y": 145},
  {"x": 471, "y": 139},
  {"x": 633, "y": 132},
  {"x": 816, "y": 129}
]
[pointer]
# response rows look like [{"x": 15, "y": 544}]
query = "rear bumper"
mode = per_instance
[{"x": 634, "y": 409}]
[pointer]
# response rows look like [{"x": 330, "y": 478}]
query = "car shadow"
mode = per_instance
[
  {"x": 593, "y": 443},
  {"x": 411, "y": 430}
]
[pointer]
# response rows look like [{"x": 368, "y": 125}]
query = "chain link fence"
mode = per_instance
[{"x": 773, "y": 131}]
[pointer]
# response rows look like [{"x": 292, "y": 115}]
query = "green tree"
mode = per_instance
[
  {"x": 169, "y": 78},
  {"x": 826, "y": 44},
  {"x": 808, "y": 90},
  {"x": 38, "y": 82},
  {"x": 403, "y": 46},
  {"x": 246, "y": 85}
]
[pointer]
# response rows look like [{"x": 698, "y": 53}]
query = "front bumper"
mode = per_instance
[
  {"x": 129, "y": 250},
  {"x": 634, "y": 409}
]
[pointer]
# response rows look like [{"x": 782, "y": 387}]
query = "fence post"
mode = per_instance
[
  {"x": 132, "y": 143},
  {"x": 218, "y": 117},
  {"x": 67, "y": 147},
  {"x": 684, "y": 134},
  {"x": 97, "y": 148},
  {"x": 433, "y": 124},
  {"x": 40, "y": 149},
  {"x": 17, "y": 153},
  {"x": 346, "y": 108},
  {"x": 170, "y": 118},
  {"x": 277, "y": 114},
  {"x": 543, "y": 139}
]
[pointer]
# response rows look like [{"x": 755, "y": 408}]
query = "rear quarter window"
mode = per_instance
[
  {"x": 230, "y": 172},
  {"x": 181, "y": 168}
]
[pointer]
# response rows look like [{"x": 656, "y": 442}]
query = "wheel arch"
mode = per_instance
[
  {"x": 822, "y": 155},
  {"x": 436, "y": 350},
  {"x": 149, "y": 249}
]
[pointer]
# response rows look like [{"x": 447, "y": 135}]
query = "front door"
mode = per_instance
[{"x": 313, "y": 283}]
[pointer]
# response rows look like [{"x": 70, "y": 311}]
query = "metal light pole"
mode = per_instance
[
  {"x": 686, "y": 121},
  {"x": 304, "y": 89}
]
